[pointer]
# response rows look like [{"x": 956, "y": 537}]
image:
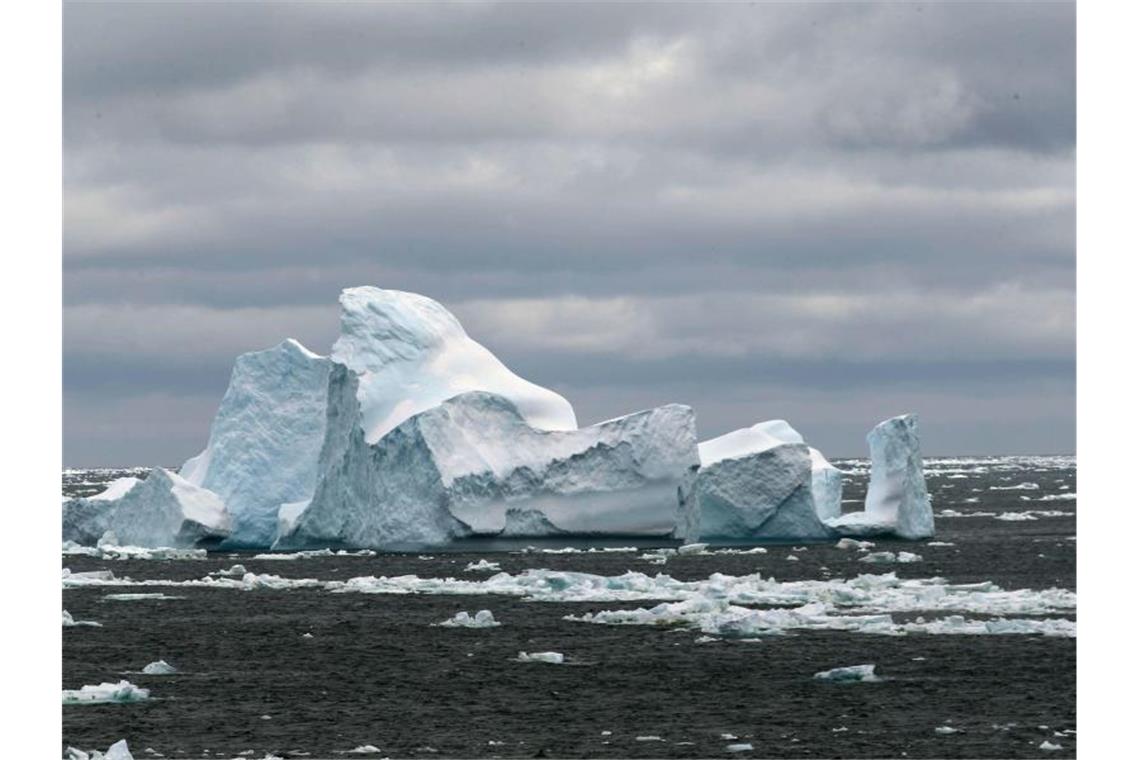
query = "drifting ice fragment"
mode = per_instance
[
  {"x": 554, "y": 658},
  {"x": 865, "y": 673},
  {"x": 482, "y": 619},
  {"x": 117, "y": 751},
  {"x": 104, "y": 693},
  {"x": 159, "y": 668}
]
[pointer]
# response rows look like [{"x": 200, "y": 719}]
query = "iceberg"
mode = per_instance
[
  {"x": 473, "y": 466},
  {"x": 756, "y": 483},
  {"x": 897, "y": 502},
  {"x": 410, "y": 434},
  {"x": 265, "y": 439}
]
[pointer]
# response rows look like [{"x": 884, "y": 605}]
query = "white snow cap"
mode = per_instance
[{"x": 411, "y": 354}]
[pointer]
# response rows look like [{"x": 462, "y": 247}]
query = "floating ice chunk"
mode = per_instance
[
  {"x": 234, "y": 571},
  {"x": 138, "y": 597},
  {"x": 890, "y": 557},
  {"x": 688, "y": 549},
  {"x": 482, "y": 566},
  {"x": 104, "y": 693},
  {"x": 946, "y": 730},
  {"x": 851, "y": 543},
  {"x": 482, "y": 619},
  {"x": 1049, "y": 746},
  {"x": 363, "y": 749},
  {"x": 159, "y": 668},
  {"x": 1015, "y": 517},
  {"x": 792, "y": 558},
  {"x": 70, "y": 622},
  {"x": 265, "y": 439},
  {"x": 1059, "y": 497},
  {"x": 741, "y": 747},
  {"x": 117, "y": 751},
  {"x": 648, "y": 738},
  {"x": 554, "y": 658},
  {"x": 864, "y": 673},
  {"x": 1018, "y": 487}
]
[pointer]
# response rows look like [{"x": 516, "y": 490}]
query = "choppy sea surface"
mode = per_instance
[{"x": 707, "y": 653}]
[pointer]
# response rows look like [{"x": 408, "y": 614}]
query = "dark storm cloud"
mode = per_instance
[{"x": 625, "y": 201}]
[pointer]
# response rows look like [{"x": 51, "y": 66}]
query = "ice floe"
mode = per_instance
[
  {"x": 891, "y": 557},
  {"x": 482, "y": 566},
  {"x": 159, "y": 668},
  {"x": 553, "y": 658},
  {"x": 482, "y": 619},
  {"x": 717, "y": 605},
  {"x": 864, "y": 673},
  {"x": 117, "y": 751},
  {"x": 70, "y": 622},
  {"x": 105, "y": 693}
]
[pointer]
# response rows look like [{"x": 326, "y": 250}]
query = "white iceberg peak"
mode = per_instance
[{"x": 412, "y": 354}]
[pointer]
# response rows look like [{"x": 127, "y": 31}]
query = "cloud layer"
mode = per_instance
[{"x": 829, "y": 213}]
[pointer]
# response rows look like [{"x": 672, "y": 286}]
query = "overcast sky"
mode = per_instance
[{"x": 829, "y": 213}]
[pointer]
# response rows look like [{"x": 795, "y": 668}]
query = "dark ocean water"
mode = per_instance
[{"x": 377, "y": 671}]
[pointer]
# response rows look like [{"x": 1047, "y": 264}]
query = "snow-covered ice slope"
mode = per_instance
[
  {"x": 897, "y": 501},
  {"x": 265, "y": 439},
  {"x": 412, "y": 354},
  {"x": 474, "y": 466}
]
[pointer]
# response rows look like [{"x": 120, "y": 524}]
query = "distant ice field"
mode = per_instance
[{"x": 324, "y": 652}]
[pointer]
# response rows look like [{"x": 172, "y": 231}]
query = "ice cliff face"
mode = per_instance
[
  {"x": 265, "y": 438},
  {"x": 897, "y": 502},
  {"x": 826, "y": 481},
  {"x": 897, "y": 491},
  {"x": 754, "y": 487},
  {"x": 412, "y": 354},
  {"x": 473, "y": 466}
]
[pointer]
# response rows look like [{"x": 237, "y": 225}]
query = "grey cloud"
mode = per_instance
[{"x": 842, "y": 208}]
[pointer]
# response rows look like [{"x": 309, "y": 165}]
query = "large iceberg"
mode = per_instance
[
  {"x": 897, "y": 502},
  {"x": 411, "y": 434},
  {"x": 756, "y": 484},
  {"x": 473, "y": 466}
]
